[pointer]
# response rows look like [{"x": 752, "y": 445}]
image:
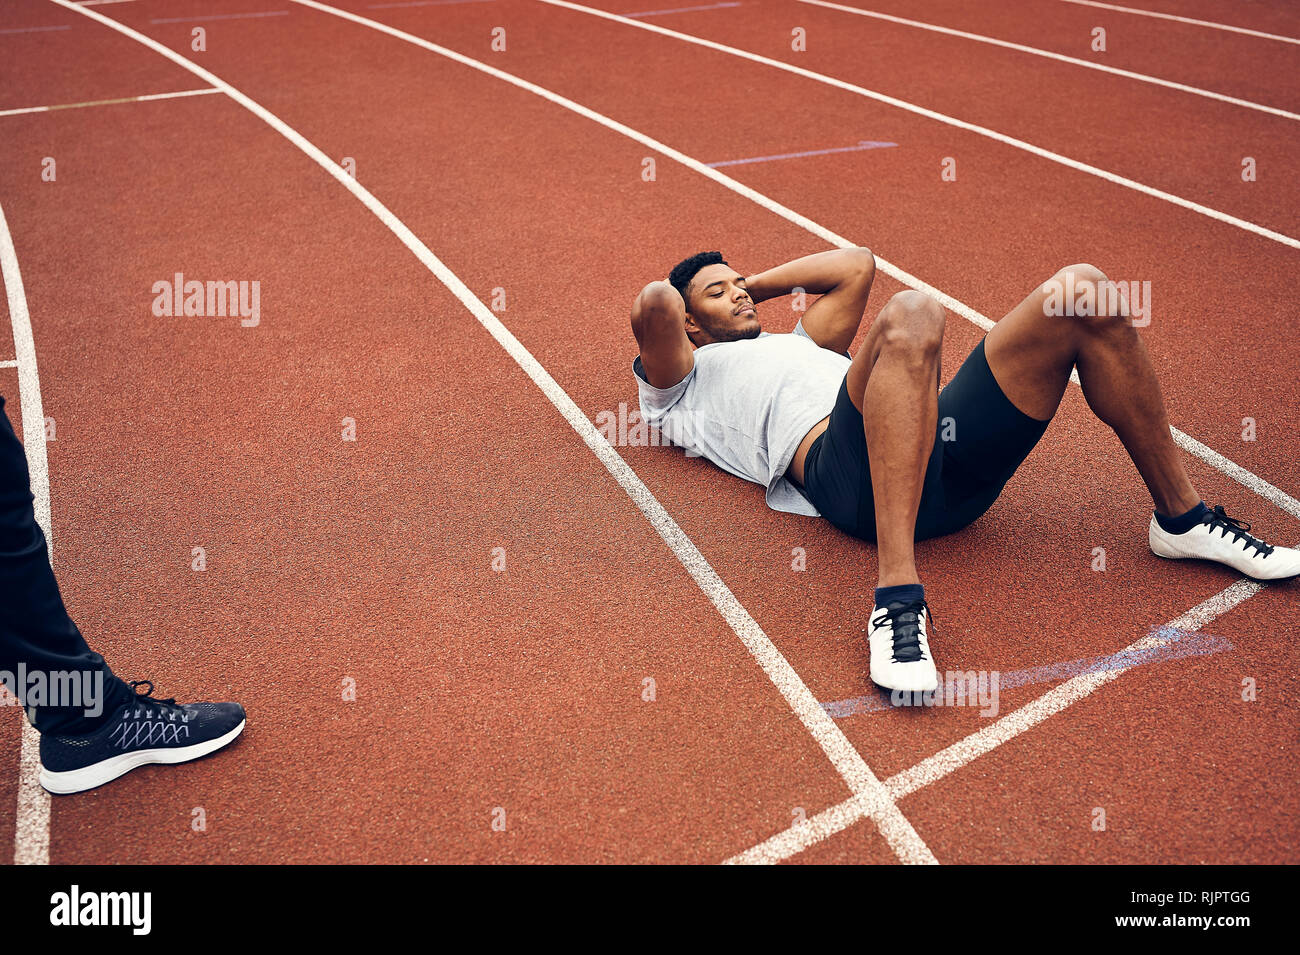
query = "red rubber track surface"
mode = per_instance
[
  {"x": 522, "y": 689},
  {"x": 1233, "y": 64}
]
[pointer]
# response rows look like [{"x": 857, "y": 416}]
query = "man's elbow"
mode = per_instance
[
  {"x": 861, "y": 263},
  {"x": 657, "y": 302},
  {"x": 658, "y": 296}
]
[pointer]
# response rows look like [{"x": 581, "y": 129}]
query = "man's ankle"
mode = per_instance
[
  {"x": 899, "y": 593},
  {"x": 898, "y": 578}
]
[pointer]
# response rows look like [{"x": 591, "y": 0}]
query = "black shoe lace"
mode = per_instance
[
  {"x": 146, "y": 701},
  {"x": 1238, "y": 529},
  {"x": 905, "y": 622}
]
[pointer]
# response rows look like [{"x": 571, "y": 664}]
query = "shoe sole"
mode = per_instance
[
  {"x": 105, "y": 771},
  {"x": 1219, "y": 563},
  {"x": 908, "y": 689}
]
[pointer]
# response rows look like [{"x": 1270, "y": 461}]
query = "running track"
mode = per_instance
[{"x": 523, "y": 689}]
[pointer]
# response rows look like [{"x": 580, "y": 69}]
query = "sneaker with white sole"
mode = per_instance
[
  {"x": 141, "y": 732},
  {"x": 1225, "y": 539},
  {"x": 900, "y": 647}
]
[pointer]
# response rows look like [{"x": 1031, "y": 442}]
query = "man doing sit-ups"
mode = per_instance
[{"x": 796, "y": 414}]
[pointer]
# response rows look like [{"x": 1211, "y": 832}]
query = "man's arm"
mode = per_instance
[
  {"x": 842, "y": 277},
  {"x": 659, "y": 324}
]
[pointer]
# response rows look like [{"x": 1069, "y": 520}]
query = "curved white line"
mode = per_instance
[
  {"x": 895, "y": 828},
  {"x": 1059, "y": 57},
  {"x": 1047, "y": 154},
  {"x": 1247, "y": 479},
  {"x": 32, "y": 824}
]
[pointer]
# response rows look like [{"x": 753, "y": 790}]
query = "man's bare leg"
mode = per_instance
[
  {"x": 894, "y": 382},
  {"x": 1031, "y": 354}
]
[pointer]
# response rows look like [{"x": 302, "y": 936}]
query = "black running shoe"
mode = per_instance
[{"x": 144, "y": 731}]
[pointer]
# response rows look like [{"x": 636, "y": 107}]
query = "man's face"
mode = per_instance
[{"x": 719, "y": 309}]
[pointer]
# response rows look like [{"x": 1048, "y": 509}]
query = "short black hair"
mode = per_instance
[{"x": 682, "y": 273}]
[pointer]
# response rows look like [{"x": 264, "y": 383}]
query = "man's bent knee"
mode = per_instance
[
  {"x": 1084, "y": 292},
  {"x": 913, "y": 320}
]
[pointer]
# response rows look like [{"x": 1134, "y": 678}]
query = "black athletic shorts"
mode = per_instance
[{"x": 980, "y": 440}]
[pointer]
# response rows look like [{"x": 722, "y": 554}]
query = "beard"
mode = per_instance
[{"x": 733, "y": 334}]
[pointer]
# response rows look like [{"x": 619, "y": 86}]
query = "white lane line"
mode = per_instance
[
  {"x": 93, "y": 3},
  {"x": 222, "y": 16},
  {"x": 422, "y": 3},
  {"x": 1246, "y": 479},
  {"x": 32, "y": 823},
  {"x": 12, "y": 31},
  {"x": 9, "y": 364},
  {"x": 848, "y": 762},
  {"x": 1239, "y": 474},
  {"x": 862, "y": 146},
  {"x": 947, "y": 761},
  {"x": 1047, "y": 154},
  {"x": 106, "y": 102},
  {"x": 199, "y": 92},
  {"x": 1170, "y": 16},
  {"x": 1060, "y": 57},
  {"x": 660, "y": 13}
]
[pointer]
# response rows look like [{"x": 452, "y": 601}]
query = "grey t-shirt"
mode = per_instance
[{"x": 747, "y": 405}]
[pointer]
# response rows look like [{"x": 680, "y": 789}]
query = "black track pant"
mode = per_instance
[{"x": 43, "y": 658}]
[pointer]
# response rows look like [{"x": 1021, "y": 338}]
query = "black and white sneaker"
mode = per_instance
[
  {"x": 1224, "y": 539},
  {"x": 900, "y": 647},
  {"x": 144, "y": 731}
]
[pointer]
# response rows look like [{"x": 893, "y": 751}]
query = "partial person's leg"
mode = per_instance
[
  {"x": 36, "y": 634},
  {"x": 81, "y": 746},
  {"x": 894, "y": 382},
  {"x": 1031, "y": 354}
]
